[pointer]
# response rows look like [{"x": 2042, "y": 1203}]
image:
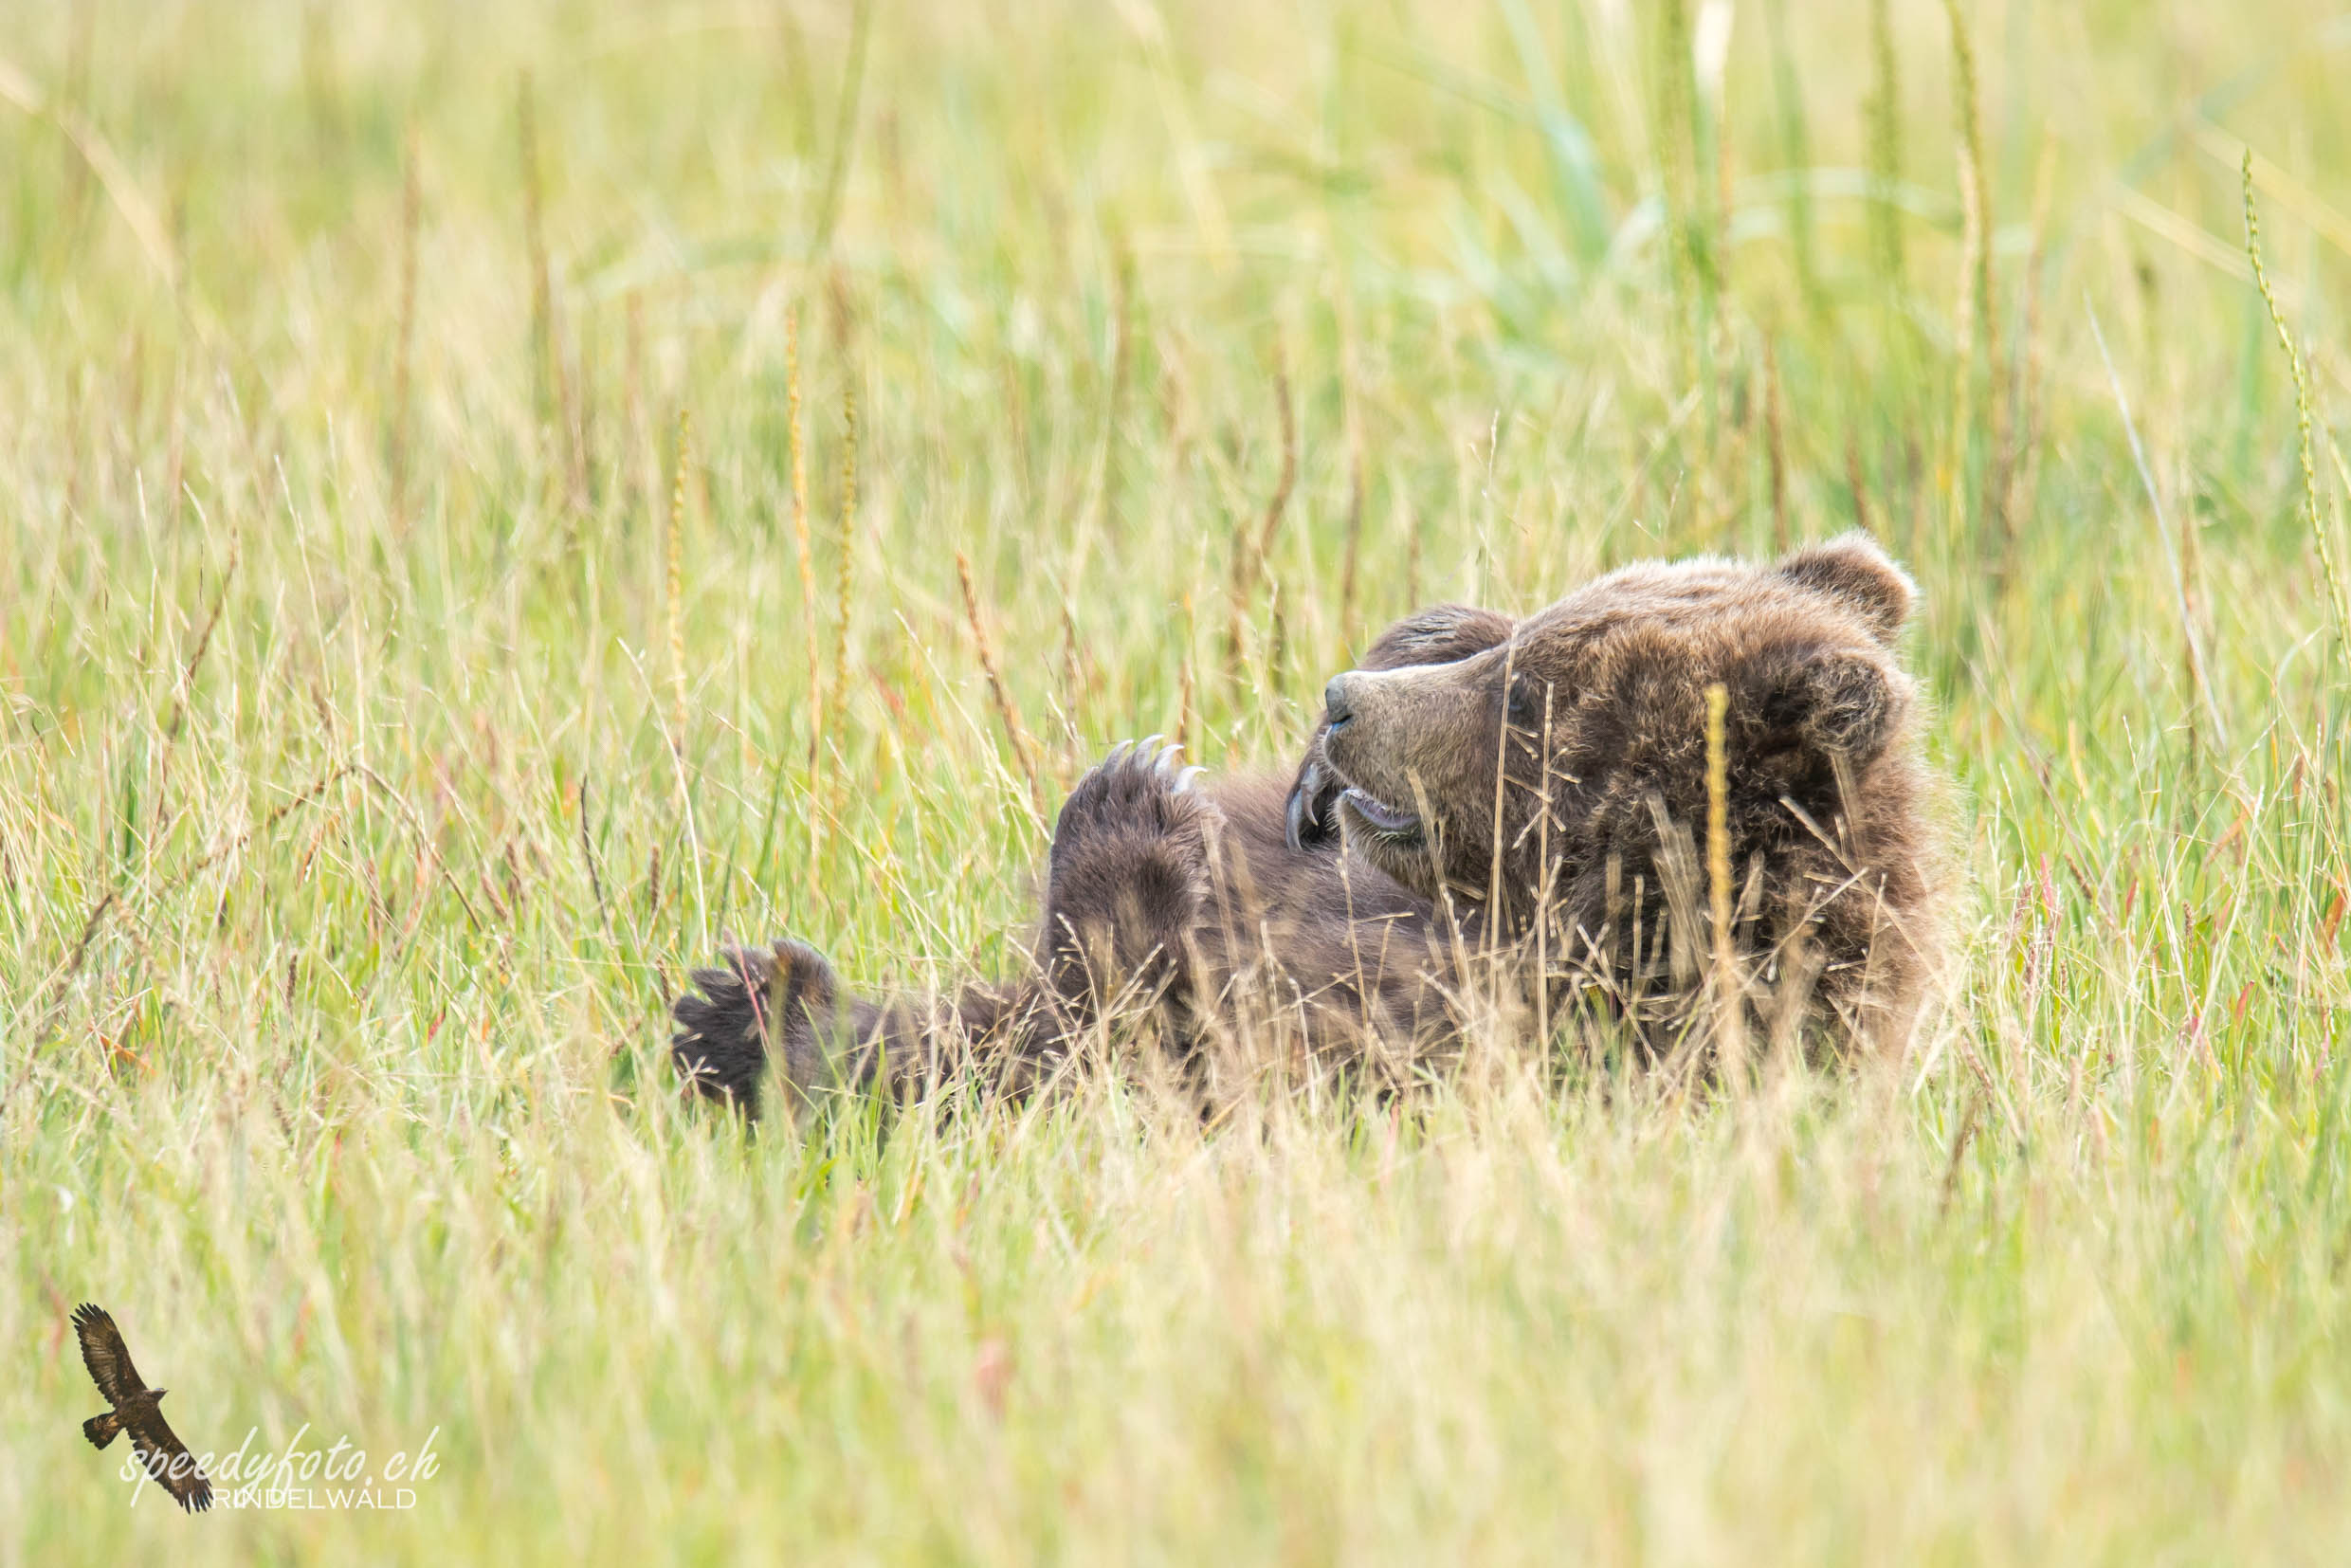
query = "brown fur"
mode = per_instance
[
  {"x": 1166, "y": 901},
  {"x": 1592, "y": 713},
  {"x": 1337, "y": 916}
]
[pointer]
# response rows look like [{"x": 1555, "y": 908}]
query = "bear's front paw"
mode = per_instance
[
  {"x": 1137, "y": 792},
  {"x": 1130, "y": 870},
  {"x": 783, "y": 1002}
]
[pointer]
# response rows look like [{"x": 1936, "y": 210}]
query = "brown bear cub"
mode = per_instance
[{"x": 1491, "y": 814}]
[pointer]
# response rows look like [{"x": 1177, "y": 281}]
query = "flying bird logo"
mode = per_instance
[{"x": 137, "y": 1410}]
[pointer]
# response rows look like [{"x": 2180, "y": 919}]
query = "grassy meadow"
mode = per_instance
[{"x": 495, "y": 496}]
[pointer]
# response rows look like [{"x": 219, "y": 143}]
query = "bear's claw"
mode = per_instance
[{"x": 1138, "y": 790}]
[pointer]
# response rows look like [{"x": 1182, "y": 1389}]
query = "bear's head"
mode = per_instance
[{"x": 1545, "y": 761}]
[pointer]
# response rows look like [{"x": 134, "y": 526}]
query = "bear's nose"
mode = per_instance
[{"x": 1338, "y": 703}]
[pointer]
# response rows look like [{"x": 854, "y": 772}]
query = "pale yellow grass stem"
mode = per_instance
[
  {"x": 2319, "y": 533},
  {"x": 1024, "y": 744},
  {"x": 846, "y": 586},
  {"x": 800, "y": 536},
  {"x": 673, "y": 549},
  {"x": 1730, "y": 1005}
]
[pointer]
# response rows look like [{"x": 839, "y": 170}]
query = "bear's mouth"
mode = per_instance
[{"x": 1388, "y": 821}]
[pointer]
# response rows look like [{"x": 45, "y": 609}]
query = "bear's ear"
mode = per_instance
[
  {"x": 1799, "y": 716},
  {"x": 1441, "y": 634},
  {"x": 1851, "y": 569}
]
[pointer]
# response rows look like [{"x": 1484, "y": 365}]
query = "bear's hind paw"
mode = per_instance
[{"x": 762, "y": 1002}]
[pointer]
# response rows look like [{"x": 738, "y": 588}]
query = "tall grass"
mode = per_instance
[{"x": 369, "y": 777}]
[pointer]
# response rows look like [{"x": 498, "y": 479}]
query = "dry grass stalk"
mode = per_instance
[
  {"x": 642, "y": 443},
  {"x": 673, "y": 593},
  {"x": 1351, "y": 407},
  {"x": 1886, "y": 141},
  {"x": 2021, "y": 432},
  {"x": 1730, "y": 1003},
  {"x": 844, "y": 587},
  {"x": 404, "y": 342},
  {"x": 553, "y": 395},
  {"x": 1277, "y": 637},
  {"x": 1972, "y": 314},
  {"x": 1024, "y": 744},
  {"x": 1775, "y": 443},
  {"x": 2319, "y": 533},
  {"x": 534, "y": 241},
  {"x": 1352, "y": 548},
  {"x": 1074, "y": 684},
  {"x": 1412, "y": 549},
  {"x": 1121, "y": 371},
  {"x": 1249, "y": 556},
  {"x": 800, "y": 545},
  {"x": 1184, "y": 691},
  {"x": 1677, "y": 140},
  {"x": 94, "y": 152},
  {"x": 845, "y": 129},
  {"x": 2191, "y": 647},
  {"x": 74, "y": 99},
  {"x": 579, "y": 400}
]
